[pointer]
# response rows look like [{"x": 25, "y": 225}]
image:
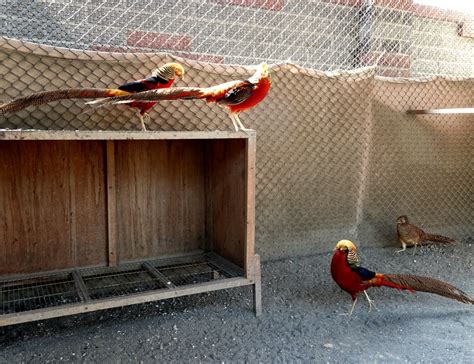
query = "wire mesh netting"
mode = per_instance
[
  {"x": 321, "y": 34},
  {"x": 56, "y": 289},
  {"x": 337, "y": 156},
  {"x": 33, "y": 294}
]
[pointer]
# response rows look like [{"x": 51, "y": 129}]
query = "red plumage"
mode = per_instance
[
  {"x": 162, "y": 77},
  {"x": 236, "y": 96},
  {"x": 146, "y": 85},
  {"x": 354, "y": 279},
  {"x": 351, "y": 281}
]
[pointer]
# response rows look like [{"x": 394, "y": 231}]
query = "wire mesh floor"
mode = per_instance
[{"x": 82, "y": 285}]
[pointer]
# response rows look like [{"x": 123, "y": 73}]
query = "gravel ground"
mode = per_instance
[{"x": 303, "y": 320}]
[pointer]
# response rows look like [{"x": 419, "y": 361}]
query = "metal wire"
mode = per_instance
[
  {"x": 337, "y": 155},
  {"x": 106, "y": 282},
  {"x": 21, "y": 296},
  {"x": 126, "y": 280},
  {"x": 324, "y": 34},
  {"x": 195, "y": 272}
]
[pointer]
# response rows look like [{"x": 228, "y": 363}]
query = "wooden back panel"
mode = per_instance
[
  {"x": 52, "y": 205},
  {"x": 160, "y": 197}
]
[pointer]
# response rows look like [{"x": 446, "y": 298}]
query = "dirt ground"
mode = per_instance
[{"x": 303, "y": 320}]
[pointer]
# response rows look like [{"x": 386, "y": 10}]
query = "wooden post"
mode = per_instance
[
  {"x": 257, "y": 288},
  {"x": 250, "y": 206},
  {"x": 252, "y": 261},
  {"x": 111, "y": 204}
]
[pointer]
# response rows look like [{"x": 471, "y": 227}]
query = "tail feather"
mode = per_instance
[
  {"x": 425, "y": 284},
  {"x": 174, "y": 93},
  {"x": 45, "y": 97},
  {"x": 110, "y": 93},
  {"x": 438, "y": 238}
]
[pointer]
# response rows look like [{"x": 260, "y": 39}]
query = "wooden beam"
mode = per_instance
[
  {"x": 158, "y": 275},
  {"x": 459, "y": 110},
  {"x": 111, "y": 204},
  {"x": 250, "y": 203},
  {"x": 19, "y": 134},
  {"x": 80, "y": 286},
  {"x": 72, "y": 309}
]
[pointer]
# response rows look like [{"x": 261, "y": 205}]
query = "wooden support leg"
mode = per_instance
[{"x": 257, "y": 288}]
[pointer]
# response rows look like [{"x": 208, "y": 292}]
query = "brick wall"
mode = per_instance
[{"x": 405, "y": 38}]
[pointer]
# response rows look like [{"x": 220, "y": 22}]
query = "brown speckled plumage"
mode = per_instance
[
  {"x": 430, "y": 285},
  {"x": 411, "y": 235},
  {"x": 45, "y": 97}
]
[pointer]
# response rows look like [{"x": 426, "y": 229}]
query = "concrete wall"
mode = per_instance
[{"x": 325, "y": 34}]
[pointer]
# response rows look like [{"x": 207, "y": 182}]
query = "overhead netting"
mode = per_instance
[{"x": 337, "y": 155}]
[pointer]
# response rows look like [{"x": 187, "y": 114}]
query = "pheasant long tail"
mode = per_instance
[
  {"x": 174, "y": 93},
  {"x": 424, "y": 284},
  {"x": 438, "y": 238},
  {"x": 45, "y": 97}
]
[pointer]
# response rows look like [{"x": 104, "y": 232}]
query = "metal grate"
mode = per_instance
[
  {"x": 28, "y": 294},
  {"x": 194, "y": 272},
  {"x": 112, "y": 282},
  {"x": 42, "y": 292}
]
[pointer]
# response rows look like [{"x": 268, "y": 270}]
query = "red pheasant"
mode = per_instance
[
  {"x": 353, "y": 278},
  {"x": 162, "y": 77},
  {"x": 235, "y": 96}
]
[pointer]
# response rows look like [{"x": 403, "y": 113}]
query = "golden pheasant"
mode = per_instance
[
  {"x": 353, "y": 278},
  {"x": 235, "y": 96},
  {"x": 162, "y": 77},
  {"x": 411, "y": 235}
]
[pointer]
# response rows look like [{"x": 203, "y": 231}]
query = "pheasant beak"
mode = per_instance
[
  {"x": 180, "y": 72},
  {"x": 263, "y": 70}
]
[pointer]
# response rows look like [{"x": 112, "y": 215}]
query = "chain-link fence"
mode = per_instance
[
  {"x": 337, "y": 156},
  {"x": 321, "y": 34}
]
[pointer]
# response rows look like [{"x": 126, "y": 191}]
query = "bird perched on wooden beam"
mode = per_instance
[
  {"x": 354, "y": 279},
  {"x": 162, "y": 77},
  {"x": 411, "y": 235},
  {"x": 235, "y": 96}
]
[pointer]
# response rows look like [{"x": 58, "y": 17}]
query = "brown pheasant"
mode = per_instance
[{"x": 411, "y": 235}]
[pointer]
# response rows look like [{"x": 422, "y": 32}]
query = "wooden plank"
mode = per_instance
[
  {"x": 257, "y": 288},
  {"x": 226, "y": 199},
  {"x": 111, "y": 204},
  {"x": 19, "y": 134},
  {"x": 160, "y": 201},
  {"x": 158, "y": 275},
  {"x": 80, "y": 286},
  {"x": 42, "y": 314},
  {"x": 459, "y": 110},
  {"x": 53, "y": 209},
  {"x": 250, "y": 200}
]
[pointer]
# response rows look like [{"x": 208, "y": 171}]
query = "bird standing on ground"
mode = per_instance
[
  {"x": 352, "y": 278},
  {"x": 162, "y": 77},
  {"x": 411, "y": 235},
  {"x": 235, "y": 96}
]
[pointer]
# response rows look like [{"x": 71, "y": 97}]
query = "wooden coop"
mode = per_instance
[{"x": 92, "y": 220}]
